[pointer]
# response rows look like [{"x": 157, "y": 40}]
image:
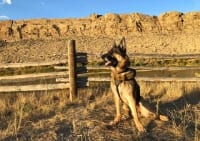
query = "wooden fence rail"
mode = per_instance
[
  {"x": 70, "y": 76},
  {"x": 33, "y": 64},
  {"x": 36, "y": 87}
]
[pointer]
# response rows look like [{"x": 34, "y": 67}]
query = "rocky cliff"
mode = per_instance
[
  {"x": 107, "y": 25},
  {"x": 168, "y": 33}
]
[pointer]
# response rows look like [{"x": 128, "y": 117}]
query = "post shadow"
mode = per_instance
[{"x": 81, "y": 67}]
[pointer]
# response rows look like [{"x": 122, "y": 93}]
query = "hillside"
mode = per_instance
[{"x": 45, "y": 39}]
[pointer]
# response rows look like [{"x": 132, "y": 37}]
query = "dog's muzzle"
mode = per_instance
[{"x": 109, "y": 60}]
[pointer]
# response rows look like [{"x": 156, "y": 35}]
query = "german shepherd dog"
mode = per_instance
[{"x": 125, "y": 87}]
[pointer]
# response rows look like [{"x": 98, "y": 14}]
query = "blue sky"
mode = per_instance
[{"x": 31, "y": 9}]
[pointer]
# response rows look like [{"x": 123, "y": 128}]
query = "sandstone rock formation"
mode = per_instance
[
  {"x": 45, "y": 39},
  {"x": 108, "y": 25}
]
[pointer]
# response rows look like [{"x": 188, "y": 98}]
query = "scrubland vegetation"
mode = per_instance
[{"x": 51, "y": 116}]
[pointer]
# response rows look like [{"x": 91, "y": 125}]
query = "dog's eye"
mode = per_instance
[
  {"x": 103, "y": 56},
  {"x": 109, "y": 57}
]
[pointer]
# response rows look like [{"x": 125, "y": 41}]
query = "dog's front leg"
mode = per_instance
[
  {"x": 132, "y": 105},
  {"x": 117, "y": 105}
]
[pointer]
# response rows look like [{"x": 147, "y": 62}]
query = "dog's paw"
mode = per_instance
[
  {"x": 116, "y": 120},
  {"x": 163, "y": 118},
  {"x": 140, "y": 127},
  {"x": 125, "y": 117},
  {"x": 113, "y": 123}
]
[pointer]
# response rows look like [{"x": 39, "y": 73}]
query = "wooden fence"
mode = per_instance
[{"x": 70, "y": 73}]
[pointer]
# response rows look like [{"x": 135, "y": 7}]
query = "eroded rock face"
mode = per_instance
[{"x": 108, "y": 25}]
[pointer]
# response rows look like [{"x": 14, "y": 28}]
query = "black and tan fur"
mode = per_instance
[{"x": 125, "y": 87}]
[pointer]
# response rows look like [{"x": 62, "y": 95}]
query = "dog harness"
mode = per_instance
[{"x": 127, "y": 75}]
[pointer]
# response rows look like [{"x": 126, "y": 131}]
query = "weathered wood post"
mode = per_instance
[{"x": 72, "y": 68}]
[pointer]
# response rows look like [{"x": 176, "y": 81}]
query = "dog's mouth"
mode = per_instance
[{"x": 109, "y": 60}]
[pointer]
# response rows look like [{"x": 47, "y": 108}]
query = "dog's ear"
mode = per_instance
[
  {"x": 114, "y": 44},
  {"x": 122, "y": 43}
]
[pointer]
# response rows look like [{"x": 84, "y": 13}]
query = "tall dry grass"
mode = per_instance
[
  {"x": 51, "y": 116},
  {"x": 181, "y": 101}
]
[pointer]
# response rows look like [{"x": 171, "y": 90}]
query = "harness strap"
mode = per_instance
[
  {"x": 128, "y": 75},
  {"x": 117, "y": 83}
]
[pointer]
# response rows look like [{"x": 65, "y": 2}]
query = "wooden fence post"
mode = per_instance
[{"x": 72, "y": 68}]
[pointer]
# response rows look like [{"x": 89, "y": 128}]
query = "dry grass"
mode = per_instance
[{"x": 50, "y": 115}]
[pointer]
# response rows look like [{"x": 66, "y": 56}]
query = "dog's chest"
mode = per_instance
[{"x": 122, "y": 89}]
